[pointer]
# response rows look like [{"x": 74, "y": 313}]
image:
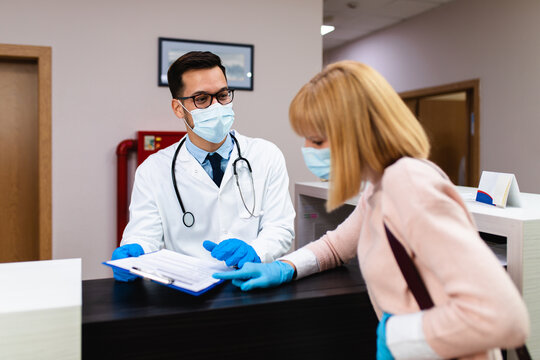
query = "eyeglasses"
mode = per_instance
[{"x": 202, "y": 101}]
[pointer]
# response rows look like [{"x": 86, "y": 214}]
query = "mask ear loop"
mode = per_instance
[{"x": 184, "y": 118}]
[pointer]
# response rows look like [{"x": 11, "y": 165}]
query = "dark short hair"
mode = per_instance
[{"x": 190, "y": 61}]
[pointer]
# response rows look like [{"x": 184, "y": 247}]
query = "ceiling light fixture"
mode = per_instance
[{"x": 325, "y": 29}]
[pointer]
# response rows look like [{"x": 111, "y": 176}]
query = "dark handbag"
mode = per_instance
[{"x": 417, "y": 286}]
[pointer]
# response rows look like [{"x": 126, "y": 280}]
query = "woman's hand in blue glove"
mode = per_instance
[
  {"x": 383, "y": 353},
  {"x": 253, "y": 275},
  {"x": 129, "y": 250},
  {"x": 233, "y": 251}
]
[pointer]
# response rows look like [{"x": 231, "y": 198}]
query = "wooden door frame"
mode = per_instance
[
  {"x": 42, "y": 56},
  {"x": 472, "y": 87}
]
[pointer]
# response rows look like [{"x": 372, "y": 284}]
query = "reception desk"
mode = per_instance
[{"x": 324, "y": 316}]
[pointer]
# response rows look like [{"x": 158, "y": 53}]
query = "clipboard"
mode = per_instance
[{"x": 177, "y": 271}]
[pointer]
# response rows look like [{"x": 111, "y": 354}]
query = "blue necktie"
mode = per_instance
[{"x": 217, "y": 173}]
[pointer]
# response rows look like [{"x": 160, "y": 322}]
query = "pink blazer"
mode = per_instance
[{"x": 477, "y": 307}]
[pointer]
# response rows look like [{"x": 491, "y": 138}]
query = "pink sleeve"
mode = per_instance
[
  {"x": 479, "y": 307},
  {"x": 338, "y": 246}
]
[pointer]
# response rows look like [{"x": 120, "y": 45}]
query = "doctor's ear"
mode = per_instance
[{"x": 177, "y": 108}]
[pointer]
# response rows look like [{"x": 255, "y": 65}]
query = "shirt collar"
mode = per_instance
[{"x": 200, "y": 155}]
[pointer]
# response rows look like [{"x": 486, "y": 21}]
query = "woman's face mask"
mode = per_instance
[
  {"x": 213, "y": 123},
  {"x": 317, "y": 161}
]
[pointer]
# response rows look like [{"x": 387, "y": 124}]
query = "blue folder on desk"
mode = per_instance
[{"x": 172, "y": 269}]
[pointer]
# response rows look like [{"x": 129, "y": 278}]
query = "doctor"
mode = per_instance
[{"x": 215, "y": 193}]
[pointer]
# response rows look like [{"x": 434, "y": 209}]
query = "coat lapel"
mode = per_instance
[{"x": 191, "y": 166}]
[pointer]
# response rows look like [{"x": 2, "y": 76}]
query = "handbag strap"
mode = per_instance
[
  {"x": 417, "y": 286},
  {"x": 410, "y": 272},
  {"x": 523, "y": 353}
]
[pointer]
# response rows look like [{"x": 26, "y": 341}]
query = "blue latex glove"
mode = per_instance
[
  {"x": 129, "y": 250},
  {"x": 383, "y": 353},
  {"x": 233, "y": 251},
  {"x": 254, "y": 275}
]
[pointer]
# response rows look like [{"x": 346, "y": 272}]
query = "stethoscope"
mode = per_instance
[{"x": 188, "y": 217}]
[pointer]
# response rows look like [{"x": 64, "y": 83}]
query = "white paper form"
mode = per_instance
[{"x": 183, "y": 271}]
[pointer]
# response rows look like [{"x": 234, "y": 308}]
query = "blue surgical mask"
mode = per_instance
[
  {"x": 317, "y": 161},
  {"x": 212, "y": 123}
]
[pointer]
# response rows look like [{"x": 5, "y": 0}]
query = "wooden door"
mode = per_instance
[
  {"x": 18, "y": 158},
  {"x": 446, "y": 121},
  {"x": 25, "y": 215},
  {"x": 449, "y": 115}
]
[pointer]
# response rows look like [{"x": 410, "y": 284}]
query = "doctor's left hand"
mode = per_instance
[{"x": 234, "y": 252}]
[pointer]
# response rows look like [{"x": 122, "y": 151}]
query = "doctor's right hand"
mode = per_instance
[
  {"x": 129, "y": 250},
  {"x": 234, "y": 252},
  {"x": 254, "y": 275}
]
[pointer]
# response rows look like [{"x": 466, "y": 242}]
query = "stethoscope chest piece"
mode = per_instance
[{"x": 188, "y": 219}]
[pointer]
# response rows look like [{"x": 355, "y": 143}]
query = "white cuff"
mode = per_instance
[
  {"x": 304, "y": 260},
  {"x": 405, "y": 338}
]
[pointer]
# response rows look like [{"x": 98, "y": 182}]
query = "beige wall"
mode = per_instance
[
  {"x": 105, "y": 89},
  {"x": 493, "y": 40}
]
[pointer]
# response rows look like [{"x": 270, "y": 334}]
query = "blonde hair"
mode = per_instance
[{"x": 368, "y": 125}]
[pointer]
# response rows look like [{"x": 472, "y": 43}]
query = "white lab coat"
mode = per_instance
[{"x": 156, "y": 217}]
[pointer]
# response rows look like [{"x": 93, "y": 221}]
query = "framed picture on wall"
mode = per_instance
[{"x": 237, "y": 59}]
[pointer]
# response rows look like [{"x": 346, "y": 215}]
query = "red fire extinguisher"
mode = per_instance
[{"x": 147, "y": 143}]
